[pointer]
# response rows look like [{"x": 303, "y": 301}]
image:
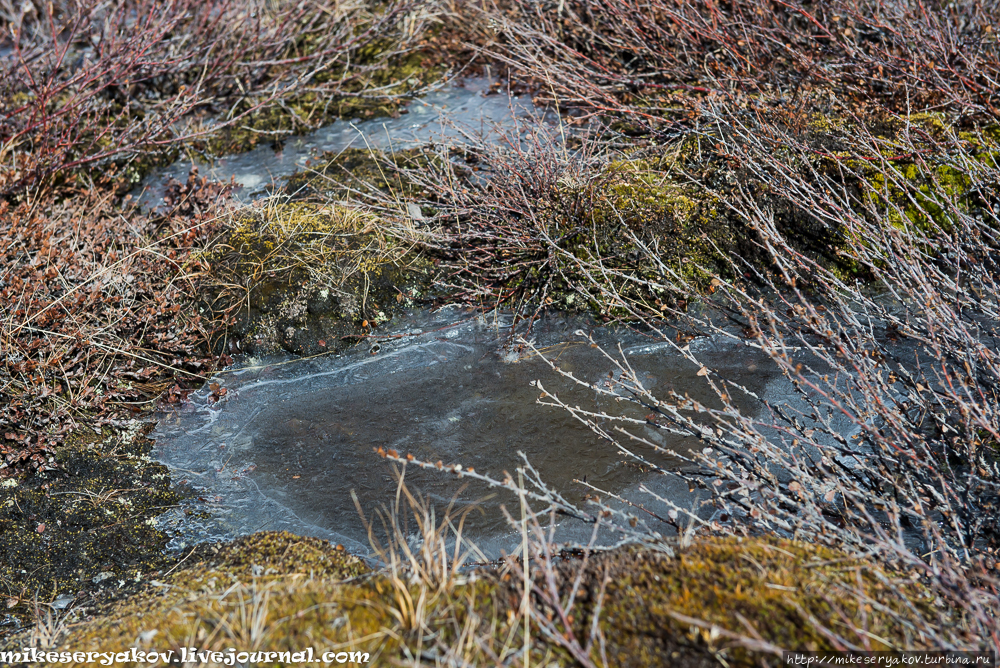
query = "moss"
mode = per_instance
[
  {"x": 654, "y": 228},
  {"x": 683, "y": 222},
  {"x": 270, "y": 591},
  {"x": 278, "y": 592},
  {"x": 282, "y": 553},
  {"x": 783, "y": 589},
  {"x": 353, "y": 172},
  {"x": 309, "y": 278},
  {"x": 395, "y": 81},
  {"x": 638, "y": 219},
  {"x": 924, "y": 193},
  {"x": 924, "y": 178},
  {"x": 918, "y": 173}
]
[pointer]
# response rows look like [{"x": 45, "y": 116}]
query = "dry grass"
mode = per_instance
[
  {"x": 328, "y": 246},
  {"x": 50, "y": 627},
  {"x": 277, "y": 592}
]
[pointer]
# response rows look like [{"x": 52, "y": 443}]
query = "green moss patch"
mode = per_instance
[
  {"x": 642, "y": 220},
  {"x": 281, "y": 553},
  {"x": 633, "y": 235},
  {"x": 781, "y": 592}
]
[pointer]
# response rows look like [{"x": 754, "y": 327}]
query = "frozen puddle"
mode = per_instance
[
  {"x": 292, "y": 438},
  {"x": 449, "y": 114}
]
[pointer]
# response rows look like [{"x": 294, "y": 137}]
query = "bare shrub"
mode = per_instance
[
  {"x": 89, "y": 330},
  {"x": 890, "y": 448},
  {"x": 858, "y": 253},
  {"x": 98, "y": 83},
  {"x": 657, "y": 61}
]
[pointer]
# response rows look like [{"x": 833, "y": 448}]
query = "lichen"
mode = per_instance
[{"x": 58, "y": 534}]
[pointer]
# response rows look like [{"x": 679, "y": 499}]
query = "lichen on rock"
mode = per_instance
[{"x": 91, "y": 534}]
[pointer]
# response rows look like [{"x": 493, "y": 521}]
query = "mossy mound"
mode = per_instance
[
  {"x": 309, "y": 278},
  {"x": 664, "y": 221},
  {"x": 630, "y": 236},
  {"x": 363, "y": 174},
  {"x": 269, "y": 591},
  {"x": 640, "y": 219},
  {"x": 781, "y": 592},
  {"x": 910, "y": 161},
  {"x": 281, "y": 553},
  {"x": 655, "y": 609}
]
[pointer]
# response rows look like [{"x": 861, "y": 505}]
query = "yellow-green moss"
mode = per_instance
[
  {"x": 278, "y": 592},
  {"x": 634, "y": 216},
  {"x": 281, "y": 553},
  {"x": 270, "y": 591},
  {"x": 776, "y": 586},
  {"x": 326, "y": 245}
]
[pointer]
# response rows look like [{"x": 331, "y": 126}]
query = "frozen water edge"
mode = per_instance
[{"x": 446, "y": 115}]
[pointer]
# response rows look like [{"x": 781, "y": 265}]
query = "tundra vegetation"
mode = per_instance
[{"x": 816, "y": 180}]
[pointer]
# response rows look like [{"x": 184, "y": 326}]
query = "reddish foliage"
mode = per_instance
[
  {"x": 651, "y": 60},
  {"x": 95, "y": 82},
  {"x": 93, "y": 317}
]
